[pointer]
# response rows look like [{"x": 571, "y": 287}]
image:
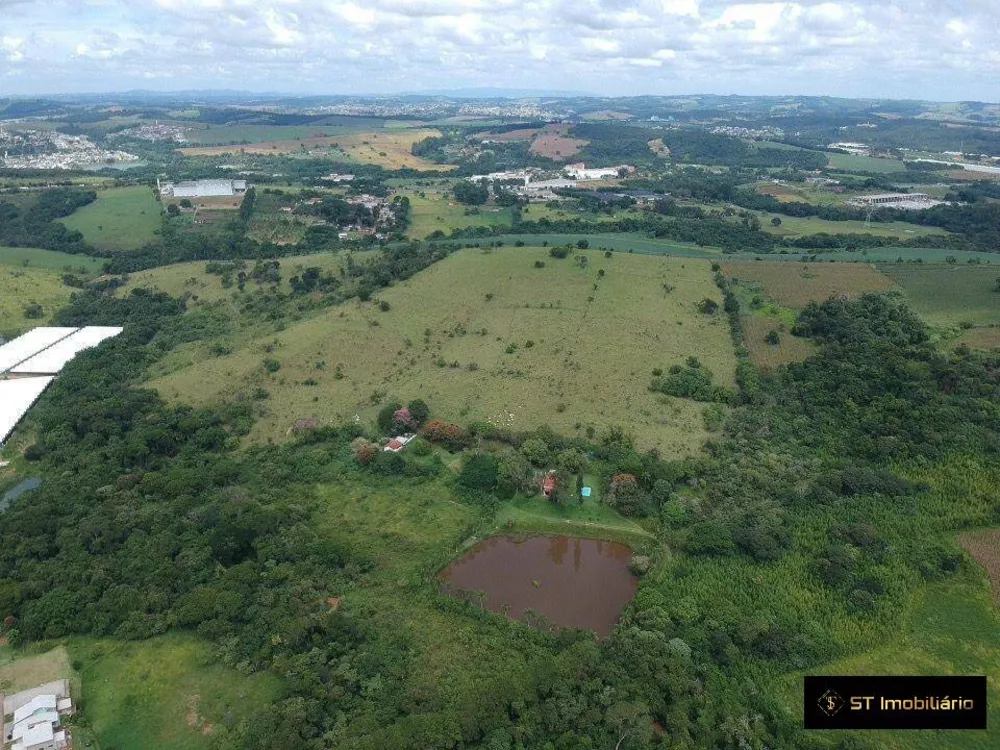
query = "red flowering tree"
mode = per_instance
[
  {"x": 451, "y": 436},
  {"x": 403, "y": 420}
]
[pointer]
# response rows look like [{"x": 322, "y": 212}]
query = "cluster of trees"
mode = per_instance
[
  {"x": 338, "y": 212},
  {"x": 36, "y": 225},
  {"x": 691, "y": 380}
]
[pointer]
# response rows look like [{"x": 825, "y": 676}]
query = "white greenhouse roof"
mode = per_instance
[
  {"x": 52, "y": 360},
  {"x": 27, "y": 345},
  {"x": 16, "y": 397}
]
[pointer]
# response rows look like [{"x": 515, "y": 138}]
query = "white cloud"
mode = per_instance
[{"x": 847, "y": 47}]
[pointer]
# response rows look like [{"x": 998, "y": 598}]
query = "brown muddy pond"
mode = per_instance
[{"x": 579, "y": 583}]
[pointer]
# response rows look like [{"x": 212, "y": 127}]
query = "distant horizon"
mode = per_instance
[{"x": 465, "y": 92}]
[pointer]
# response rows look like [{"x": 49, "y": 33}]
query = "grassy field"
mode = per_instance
[
  {"x": 769, "y": 356},
  {"x": 857, "y": 163},
  {"x": 21, "y": 671},
  {"x": 217, "y": 135},
  {"x": 588, "y": 519},
  {"x": 949, "y": 295},
  {"x": 122, "y": 218},
  {"x": 435, "y": 210},
  {"x": 589, "y": 360},
  {"x": 20, "y": 287},
  {"x": 33, "y": 257},
  {"x": 163, "y": 693},
  {"x": 792, "y": 226},
  {"x": 979, "y": 338},
  {"x": 950, "y": 629},
  {"x": 387, "y": 148},
  {"x": 190, "y": 278},
  {"x": 795, "y": 284}
]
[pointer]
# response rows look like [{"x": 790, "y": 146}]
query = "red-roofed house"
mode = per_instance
[{"x": 398, "y": 443}]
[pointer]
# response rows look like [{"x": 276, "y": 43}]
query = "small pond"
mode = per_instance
[
  {"x": 12, "y": 494},
  {"x": 579, "y": 583}
]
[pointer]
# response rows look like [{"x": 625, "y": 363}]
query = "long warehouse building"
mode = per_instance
[
  {"x": 51, "y": 360},
  {"x": 40, "y": 352},
  {"x": 16, "y": 397},
  {"x": 14, "y": 352}
]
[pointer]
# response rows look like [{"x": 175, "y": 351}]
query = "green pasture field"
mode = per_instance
[
  {"x": 24, "y": 670},
  {"x": 218, "y": 135},
  {"x": 589, "y": 362},
  {"x": 165, "y": 693},
  {"x": 949, "y": 295},
  {"x": 767, "y": 356},
  {"x": 122, "y": 218},
  {"x": 857, "y": 163},
  {"x": 949, "y": 629},
  {"x": 621, "y": 242},
  {"x": 33, "y": 257},
  {"x": 191, "y": 278},
  {"x": 792, "y": 226},
  {"x": 641, "y": 244},
  {"x": 590, "y": 518},
  {"x": 436, "y": 211},
  {"x": 20, "y": 287}
]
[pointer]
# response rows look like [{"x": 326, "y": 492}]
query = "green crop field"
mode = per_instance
[
  {"x": 949, "y": 295},
  {"x": 437, "y": 211},
  {"x": 857, "y": 163},
  {"x": 546, "y": 348},
  {"x": 33, "y": 257},
  {"x": 122, "y": 218},
  {"x": 20, "y": 287},
  {"x": 794, "y": 285},
  {"x": 792, "y": 226}
]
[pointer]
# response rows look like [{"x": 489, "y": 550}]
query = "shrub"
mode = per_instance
[
  {"x": 772, "y": 338},
  {"x": 271, "y": 365},
  {"x": 419, "y": 410},
  {"x": 479, "y": 472},
  {"x": 559, "y": 252},
  {"x": 33, "y": 311},
  {"x": 692, "y": 380},
  {"x": 386, "y": 416},
  {"x": 708, "y": 306},
  {"x": 384, "y": 306},
  {"x": 539, "y": 264},
  {"x": 451, "y": 436}
]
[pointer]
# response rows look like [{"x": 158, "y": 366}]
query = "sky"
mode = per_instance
[{"x": 944, "y": 50}]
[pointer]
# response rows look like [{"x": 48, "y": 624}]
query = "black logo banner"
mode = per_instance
[{"x": 895, "y": 702}]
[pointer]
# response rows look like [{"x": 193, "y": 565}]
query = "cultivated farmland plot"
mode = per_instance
[
  {"x": 796, "y": 284},
  {"x": 949, "y": 295}
]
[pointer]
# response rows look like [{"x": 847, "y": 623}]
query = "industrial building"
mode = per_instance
[
  {"x": 905, "y": 201},
  {"x": 202, "y": 188},
  {"x": 29, "y": 363}
]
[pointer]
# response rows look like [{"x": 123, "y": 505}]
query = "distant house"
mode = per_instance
[
  {"x": 37, "y": 724},
  {"x": 398, "y": 443},
  {"x": 549, "y": 484}
]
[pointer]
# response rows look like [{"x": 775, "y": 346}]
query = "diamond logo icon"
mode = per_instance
[{"x": 830, "y": 703}]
